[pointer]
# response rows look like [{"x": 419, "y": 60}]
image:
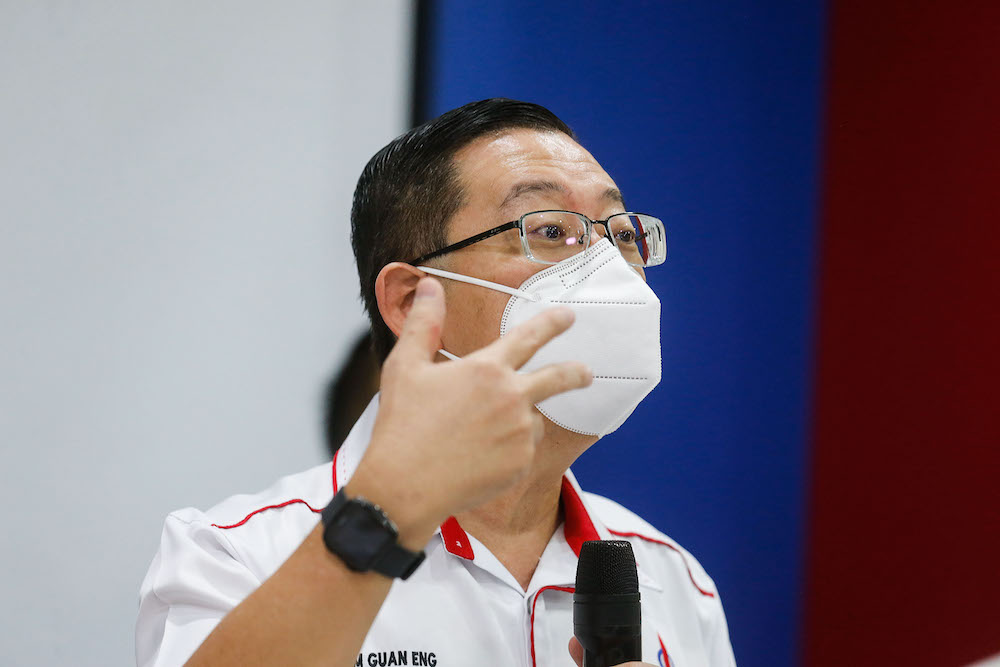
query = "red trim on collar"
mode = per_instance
[
  {"x": 538, "y": 593},
  {"x": 456, "y": 540},
  {"x": 578, "y": 527}
]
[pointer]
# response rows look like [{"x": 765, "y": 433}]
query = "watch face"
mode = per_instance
[{"x": 358, "y": 534}]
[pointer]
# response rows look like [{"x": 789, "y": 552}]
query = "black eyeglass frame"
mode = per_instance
[{"x": 519, "y": 225}]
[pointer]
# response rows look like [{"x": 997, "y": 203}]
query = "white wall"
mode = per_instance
[{"x": 176, "y": 280}]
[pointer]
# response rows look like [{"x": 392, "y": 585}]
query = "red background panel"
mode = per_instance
[{"x": 904, "y": 551}]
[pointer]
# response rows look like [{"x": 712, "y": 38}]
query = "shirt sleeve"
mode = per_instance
[
  {"x": 720, "y": 648},
  {"x": 194, "y": 580}
]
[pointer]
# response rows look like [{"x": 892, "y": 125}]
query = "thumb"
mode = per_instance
[
  {"x": 421, "y": 334},
  {"x": 576, "y": 651}
]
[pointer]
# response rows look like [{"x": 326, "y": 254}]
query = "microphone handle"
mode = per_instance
[
  {"x": 610, "y": 651},
  {"x": 608, "y": 627}
]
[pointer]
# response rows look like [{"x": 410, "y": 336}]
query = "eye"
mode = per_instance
[
  {"x": 551, "y": 232},
  {"x": 626, "y": 236},
  {"x": 554, "y": 229}
]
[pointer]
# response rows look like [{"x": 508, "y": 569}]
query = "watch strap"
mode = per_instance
[
  {"x": 398, "y": 561},
  {"x": 339, "y": 500},
  {"x": 392, "y": 560}
]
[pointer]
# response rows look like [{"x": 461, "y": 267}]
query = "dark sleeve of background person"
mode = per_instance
[{"x": 349, "y": 392}]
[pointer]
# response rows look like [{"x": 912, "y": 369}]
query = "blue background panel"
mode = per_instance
[{"x": 706, "y": 114}]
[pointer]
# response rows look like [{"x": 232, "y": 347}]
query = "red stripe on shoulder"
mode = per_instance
[
  {"x": 669, "y": 546},
  {"x": 264, "y": 509}
]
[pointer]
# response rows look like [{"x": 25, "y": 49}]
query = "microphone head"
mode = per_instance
[{"x": 606, "y": 567}]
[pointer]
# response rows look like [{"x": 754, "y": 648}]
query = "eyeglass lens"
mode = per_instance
[{"x": 553, "y": 236}]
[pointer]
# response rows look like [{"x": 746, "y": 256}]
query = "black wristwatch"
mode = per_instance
[{"x": 360, "y": 533}]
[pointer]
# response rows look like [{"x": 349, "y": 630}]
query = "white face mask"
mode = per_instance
[{"x": 616, "y": 333}]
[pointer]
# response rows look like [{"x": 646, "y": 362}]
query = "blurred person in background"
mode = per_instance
[{"x": 349, "y": 391}]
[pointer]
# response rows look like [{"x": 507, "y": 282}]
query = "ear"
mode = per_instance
[{"x": 395, "y": 286}]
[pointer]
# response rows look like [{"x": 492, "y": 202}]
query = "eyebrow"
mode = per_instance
[
  {"x": 615, "y": 195},
  {"x": 521, "y": 189}
]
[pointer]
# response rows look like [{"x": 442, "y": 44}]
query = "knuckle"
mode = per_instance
[
  {"x": 513, "y": 386},
  {"x": 485, "y": 368},
  {"x": 534, "y": 332},
  {"x": 420, "y": 313},
  {"x": 526, "y": 424},
  {"x": 415, "y": 322},
  {"x": 510, "y": 402},
  {"x": 542, "y": 334}
]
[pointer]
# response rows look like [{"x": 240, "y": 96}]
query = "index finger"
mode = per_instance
[
  {"x": 556, "y": 379},
  {"x": 521, "y": 342}
]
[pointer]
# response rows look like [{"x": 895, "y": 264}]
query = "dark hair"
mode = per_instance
[{"x": 410, "y": 189}]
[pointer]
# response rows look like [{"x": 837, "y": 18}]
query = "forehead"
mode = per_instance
[{"x": 495, "y": 167}]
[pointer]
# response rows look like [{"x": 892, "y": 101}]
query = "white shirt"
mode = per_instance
[{"x": 461, "y": 607}]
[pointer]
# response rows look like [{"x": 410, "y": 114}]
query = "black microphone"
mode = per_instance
[{"x": 606, "y": 617}]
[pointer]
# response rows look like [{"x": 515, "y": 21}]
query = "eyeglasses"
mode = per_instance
[{"x": 549, "y": 237}]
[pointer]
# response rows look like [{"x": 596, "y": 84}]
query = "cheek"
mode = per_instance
[{"x": 472, "y": 319}]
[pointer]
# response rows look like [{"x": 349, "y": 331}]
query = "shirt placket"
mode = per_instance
[{"x": 544, "y": 646}]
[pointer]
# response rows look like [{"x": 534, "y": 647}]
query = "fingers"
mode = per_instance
[
  {"x": 556, "y": 379},
  {"x": 521, "y": 342},
  {"x": 421, "y": 334},
  {"x": 576, "y": 651}
]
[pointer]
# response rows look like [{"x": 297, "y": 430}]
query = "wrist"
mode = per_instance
[{"x": 406, "y": 509}]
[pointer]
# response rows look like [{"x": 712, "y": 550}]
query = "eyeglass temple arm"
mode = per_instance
[{"x": 513, "y": 224}]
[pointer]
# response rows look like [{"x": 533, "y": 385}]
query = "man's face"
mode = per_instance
[{"x": 505, "y": 177}]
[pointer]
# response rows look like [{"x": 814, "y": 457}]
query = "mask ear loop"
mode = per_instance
[
  {"x": 513, "y": 291},
  {"x": 481, "y": 283}
]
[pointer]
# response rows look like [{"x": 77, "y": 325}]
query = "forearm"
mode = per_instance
[{"x": 313, "y": 610}]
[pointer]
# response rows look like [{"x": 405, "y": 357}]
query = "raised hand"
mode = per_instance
[{"x": 450, "y": 436}]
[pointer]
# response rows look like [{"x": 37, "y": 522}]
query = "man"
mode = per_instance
[{"x": 467, "y": 447}]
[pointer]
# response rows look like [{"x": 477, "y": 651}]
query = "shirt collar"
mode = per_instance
[{"x": 580, "y": 522}]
